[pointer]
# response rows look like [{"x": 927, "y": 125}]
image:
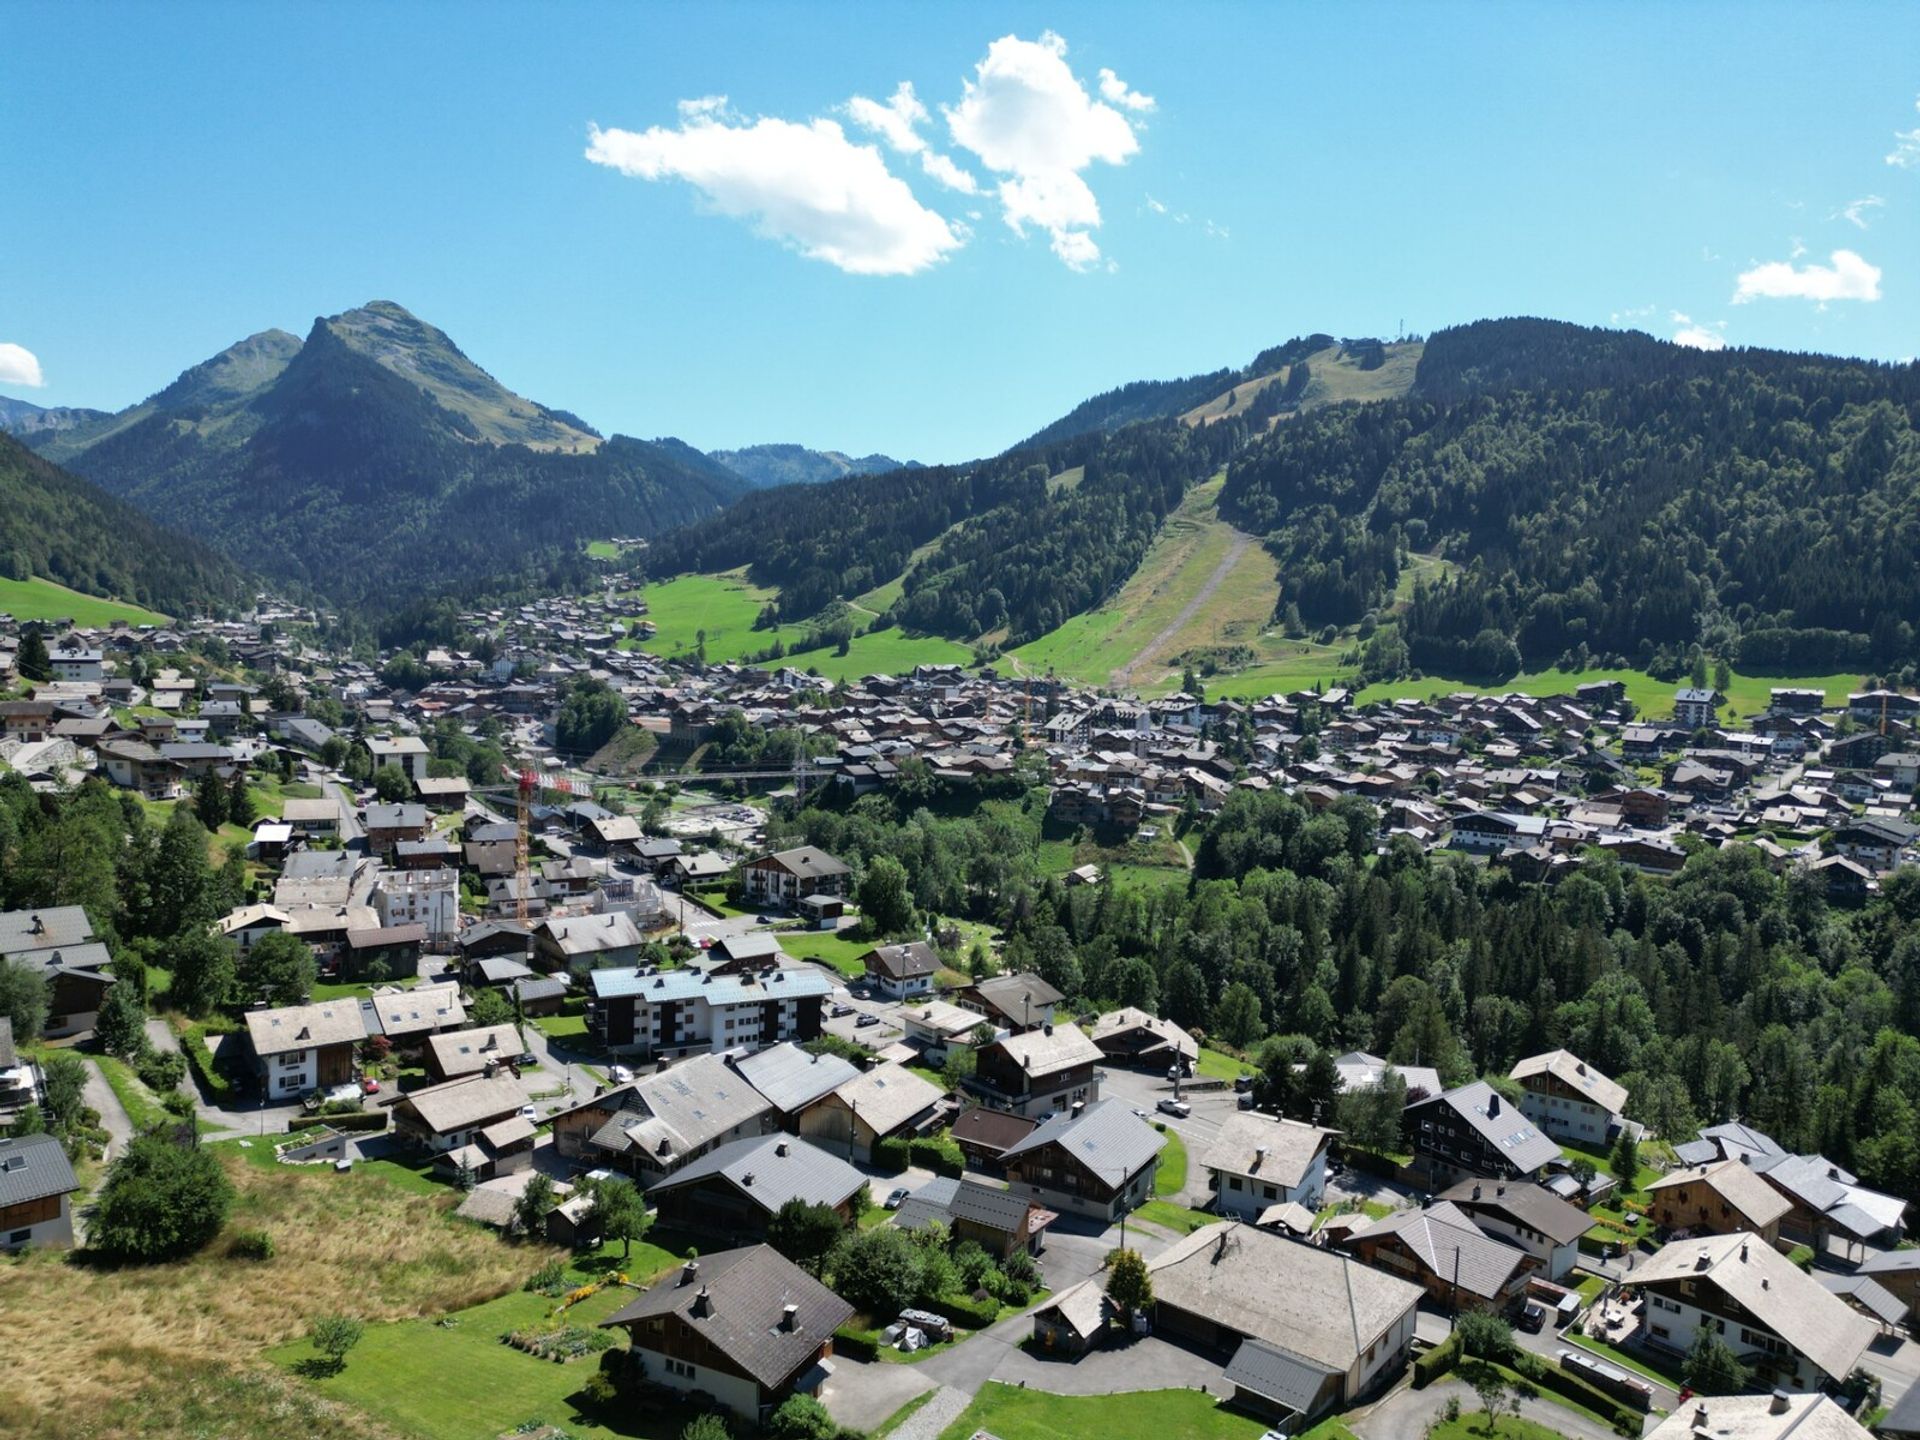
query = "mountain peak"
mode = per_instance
[
  {"x": 240, "y": 370},
  {"x": 395, "y": 338}
]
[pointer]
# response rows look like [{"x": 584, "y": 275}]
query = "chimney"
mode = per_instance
[
  {"x": 1493, "y": 1105},
  {"x": 1700, "y": 1417},
  {"x": 1048, "y": 1027},
  {"x": 1778, "y": 1404},
  {"x": 789, "y": 1317},
  {"x": 1078, "y": 1106},
  {"x": 1259, "y": 1156},
  {"x": 1476, "y": 1189},
  {"x": 1743, "y": 1252},
  {"x": 689, "y": 1272},
  {"x": 781, "y": 1150},
  {"x": 702, "y": 1305},
  {"x": 1501, "y": 1188}
]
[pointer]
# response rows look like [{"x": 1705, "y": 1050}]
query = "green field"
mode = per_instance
[
  {"x": 1747, "y": 694},
  {"x": 1012, "y": 1413},
  {"x": 889, "y": 652},
  {"x": 1171, "y": 1176},
  {"x": 827, "y": 947},
  {"x": 43, "y": 600}
]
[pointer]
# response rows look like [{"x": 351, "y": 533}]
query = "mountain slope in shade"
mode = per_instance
[
  {"x": 375, "y": 462},
  {"x": 768, "y": 465},
  {"x": 60, "y": 527}
]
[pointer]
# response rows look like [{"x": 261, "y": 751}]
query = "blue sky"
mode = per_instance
[{"x": 787, "y": 267}]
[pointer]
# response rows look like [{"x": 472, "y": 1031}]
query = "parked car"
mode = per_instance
[
  {"x": 1245, "y": 1100},
  {"x": 369, "y": 1085},
  {"x": 866, "y": 1020},
  {"x": 839, "y": 1010},
  {"x": 619, "y": 1074},
  {"x": 1533, "y": 1317},
  {"x": 1243, "y": 1083},
  {"x": 897, "y": 1196},
  {"x": 1171, "y": 1106},
  {"x": 528, "y": 1112}
]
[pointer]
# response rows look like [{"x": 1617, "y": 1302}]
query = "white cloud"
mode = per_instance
[
  {"x": 806, "y": 185},
  {"x": 941, "y": 168},
  {"x": 1156, "y": 206},
  {"x": 1846, "y": 277},
  {"x": 1796, "y": 247},
  {"x": 896, "y": 121},
  {"x": 1699, "y": 336},
  {"x": 1906, "y": 147},
  {"x": 1113, "y": 88},
  {"x": 1855, "y": 212},
  {"x": 19, "y": 366},
  {"x": 1027, "y": 118}
]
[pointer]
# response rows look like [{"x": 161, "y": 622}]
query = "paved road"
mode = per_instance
[
  {"x": 1406, "y": 1413},
  {"x": 114, "y": 1119},
  {"x": 350, "y": 827}
]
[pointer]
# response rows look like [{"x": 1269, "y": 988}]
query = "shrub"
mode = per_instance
[
  {"x": 891, "y": 1156},
  {"x": 193, "y": 1045},
  {"x": 966, "y": 1312},
  {"x": 333, "y": 1336},
  {"x": 177, "y": 1104},
  {"x": 549, "y": 1279},
  {"x": 161, "y": 1071},
  {"x": 1485, "y": 1336},
  {"x": 250, "y": 1245},
  {"x": 161, "y": 1201},
  {"x": 855, "y": 1346},
  {"x": 938, "y": 1153},
  {"x": 600, "y": 1389},
  {"x": 801, "y": 1417},
  {"x": 356, "y": 1121}
]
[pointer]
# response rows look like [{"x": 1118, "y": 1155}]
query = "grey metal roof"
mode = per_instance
[
  {"x": 33, "y": 1167},
  {"x": 1904, "y": 1419},
  {"x": 1500, "y": 1124},
  {"x": 57, "y": 925},
  {"x": 1865, "y": 1293},
  {"x": 1107, "y": 1138},
  {"x": 771, "y": 1170},
  {"x": 1277, "y": 1375},
  {"x": 792, "y": 1078},
  {"x": 1536, "y": 1208},
  {"x": 1451, "y": 1246},
  {"x": 746, "y": 1293}
]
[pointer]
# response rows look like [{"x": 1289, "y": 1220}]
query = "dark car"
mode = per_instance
[
  {"x": 1533, "y": 1317},
  {"x": 1243, "y": 1083}
]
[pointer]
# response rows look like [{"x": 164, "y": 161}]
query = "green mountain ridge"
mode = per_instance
[
  {"x": 769, "y": 465},
  {"x": 22, "y": 417},
  {"x": 375, "y": 463}
]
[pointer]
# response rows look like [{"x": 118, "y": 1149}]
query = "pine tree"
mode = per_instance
[
  {"x": 33, "y": 660},
  {"x": 210, "y": 801}
]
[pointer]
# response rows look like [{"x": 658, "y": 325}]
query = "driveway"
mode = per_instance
[
  {"x": 1406, "y": 1413},
  {"x": 98, "y": 1095},
  {"x": 860, "y": 1395}
]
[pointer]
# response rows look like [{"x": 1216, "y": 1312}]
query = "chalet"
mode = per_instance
[
  {"x": 1897, "y": 1272},
  {"x": 1256, "y": 1161},
  {"x": 26, "y": 720},
  {"x": 784, "y": 877},
  {"x": 1043, "y": 1071},
  {"x": 792, "y": 1080},
  {"x": 737, "y": 1189},
  {"x": 1529, "y": 1216},
  {"x": 997, "y": 1220},
  {"x": 407, "y": 1017},
  {"x": 938, "y": 1028},
  {"x": 582, "y": 943},
  {"x": 651, "y": 1127},
  {"x": 314, "y": 819},
  {"x": 136, "y": 765},
  {"x": 37, "y": 1185},
  {"x": 59, "y": 943},
  {"x": 298, "y": 1048},
  {"x": 73, "y": 660},
  {"x": 747, "y": 1327},
  {"x": 450, "y": 1117},
  {"x": 455, "y": 1053},
  {"x": 406, "y": 753},
  {"x": 1134, "y": 1038},
  {"x": 1871, "y": 707},
  {"x": 1471, "y": 1131},
  {"x": 1776, "y": 1318},
  {"x": 1569, "y": 1099},
  {"x": 1439, "y": 1248},
  {"x": 1308, "y": 1330},
  {"x": 1016, "y": 1003},
  {"x": 1359, "y": 1070},
  {"x": 1487, "y": 832},
  {"x": 1826, "y": 1204},
  {"x": 1779, "y": 1416},
  {"x": 1876, "y": 844},
  {"x": 1096, "y": 1160},
  {"x": 1720, "y": 1198},
  {"x": 1799, "y": 703},
  {"x": 902, "y": 971},
  {"x": 388, "y": 825},
  {"x": 886, "y": 1102},
  {"x": 984, "y": 1136}
]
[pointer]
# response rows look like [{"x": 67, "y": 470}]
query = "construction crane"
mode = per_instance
[{"x": 526, "y": 784}]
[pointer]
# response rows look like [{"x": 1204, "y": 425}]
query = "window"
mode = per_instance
[
  {"x": 1233, "y": 1182},
  {"x": 19, "y": 1237}
]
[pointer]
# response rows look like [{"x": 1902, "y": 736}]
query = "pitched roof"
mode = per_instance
[
  {"x": 1501, "y": 1125},
  {"x": 1012, "y": 994},
  {"x": 1756, "y": 1201},
  {"x": 1317, "y": 1304},
  {"x": 424, "y": 1008},
  {"x": 947, "y": 1199},
  {"x": 1119, "y": 1022},
  {"x": 888, "y": 1096},
  {"x": 1573, "y": 1072},
  {"x": 1276, "y": 1374},
  {"x": 991, "y": 1129},
  {"x": 804, "y": 862},
  {"x": 55, "y": 925},
  {"x": 33, "y": 1167},
  {"x": 458, "y": 1104},
  {"x": 1107, "y": 1138},
  {"x": 1769, "y": 1286},
  {"x": 745, "y": 1293},
  {"x": 792, "y": 1078},
  {"x": 1050, "y": 1049},
  {"x": 465, "y": 1052},
  {"x": 1447, "y": 1242},
  {"x": 914, "y": 960},
  {"x": 1276, "y": 1151},
  {"x": 1533, "y": 1206},
  {"x": 686, "y": 1107},
  {"x": 1753, "y": 1417},
  {"x": 300, "y": 1027},
  {"x": 771, "y": 1170}
]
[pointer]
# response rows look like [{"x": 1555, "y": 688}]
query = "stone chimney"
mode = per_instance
[
  {"x": 790, "y": 1317},
  {"x": 1778, "y": 1404},
  {"x": 702, "y": 1305},
  {"x": 689, "y": 1272}
]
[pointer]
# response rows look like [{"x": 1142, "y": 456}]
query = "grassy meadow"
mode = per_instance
[{"x": 38, "y": 599}]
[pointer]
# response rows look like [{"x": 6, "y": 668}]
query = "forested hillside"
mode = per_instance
[
  {"x": 1608, "y": 495},
  {"x": 59, "y": 527},
  {"x": 375, "y": 463}
]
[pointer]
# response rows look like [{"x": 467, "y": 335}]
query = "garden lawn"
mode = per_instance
[
  {"x": 1628, "y": 1360},
  {"x": 826, "y": 946},
  {"x": 1171, "y": 1177},
  {"x": 455, "y": 1380},
  {"x": 1217, "y": 1065},
  {"x": 1012, "y": 1413},
  {"x": 1472, "y": 1425},
  {"x": 1178, "y": 1218},
  {"x": 561, "y": 1027}
]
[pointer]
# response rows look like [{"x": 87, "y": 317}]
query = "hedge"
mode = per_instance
[
  {"x": 1572, "y": 1387},
  {"x": 854, "y": 1345},
  {"x": 891, "y": 1156},
  {"x": 966, "y": 1312},
  {"x": 1437, "y": 1361},
  {"x": 938, "y": 1153},
  {"x": 193, "y": 1045},
  {"x": 363, "y": 1120}
]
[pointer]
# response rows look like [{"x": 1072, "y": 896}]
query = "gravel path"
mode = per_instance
[{"x": 930, "y": 1419}]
